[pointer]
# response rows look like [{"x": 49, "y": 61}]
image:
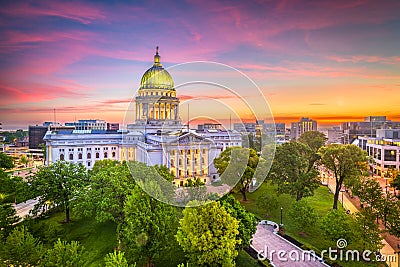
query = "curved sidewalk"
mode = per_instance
[{"x": 280, "y": 251}]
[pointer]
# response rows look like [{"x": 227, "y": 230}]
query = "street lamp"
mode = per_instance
[
  {"x": 281, "y": 215},
  {"x": 342, "y": 190}
]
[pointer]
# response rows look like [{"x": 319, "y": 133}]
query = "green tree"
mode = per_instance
[
  {"x": 369, "y": 192},
  {"x": 6, "y": 162},
  {"x": 368, "y": 230},
  {"x": 335, "y": 225},
  {"x": 290, "y": 170},
  {"x": 14, "y": 188},
  {"x": 65, "y": 254},
  {"x": 303, "y": 215},
  {"x": 236, "y": 167},
  {"x": 150, "y": 227},
  {"x": 8, "y": 218},
  {"x": 196, "y": 182},
  {"x": 164, "y": 172},
  {"x": 389, "y": 212},
  {"x": 208, "y": 234},
  {"x": 396, "y": 184},
  {"x": 344, "y": 161},
  {"x": 22, "y": 248},
  {"x": 247, "y": 221},
  {"x": 109, "y": 184},
  {"x": 314, "y": 140},
  {"x": 19, "y": 189},
  {"x": 58, "y": 183},
  {"x": 24, "y": 160},
  {"x": 116, "y": 259},
  {"x": 267, "y": 203}
]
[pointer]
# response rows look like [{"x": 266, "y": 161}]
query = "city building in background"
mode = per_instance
[
  {"x": 334, "y": 135},
  {"x": 37, "y": 132},
  {"x": 366, "y": 128},
  {"x": 88, "y": 125},
  {"x": 304, "y": 125},
  {"x": 384, "y": 150}
]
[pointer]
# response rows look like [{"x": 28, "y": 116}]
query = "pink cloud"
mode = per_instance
[
  {"x": 80, "y": 12},
  {"x": 38, "y": 92},
  {"x": 366, "y": 58}
]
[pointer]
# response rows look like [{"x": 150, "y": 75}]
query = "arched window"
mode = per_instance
[
  {"x": 62, "y": 157},
  {"x": 80, "y": 156},
  {"x": 180, "y": 161},
  {"x": 113, "y": 154},
  {"x": 71, "y": 156},
  {"x": 105, "y": 155},
  {"x": 89, "y": 156},
  {"x": 97, "y": 155}
]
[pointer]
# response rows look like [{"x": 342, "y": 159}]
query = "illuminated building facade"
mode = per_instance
[
  {"x": 156, "y": 137},
  {"x": 304, "y": 125}
]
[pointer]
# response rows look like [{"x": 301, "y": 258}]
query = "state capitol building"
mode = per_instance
[{"x": 156, "y": 137}]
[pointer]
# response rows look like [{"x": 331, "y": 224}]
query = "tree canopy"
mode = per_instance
[
  {"x": 108, "y": 186},
  {"x": 290, "y": 170},
  {"x": 236, "y": 166},
  {"x": 208, "y": 234},
  {"x": 150, "y": 227},
  {"x": 344, "y": 161},
  {"x": 247, "y": 221},
  {"x": 58, "y": 184},
  {"x": 6, "y": 162}
]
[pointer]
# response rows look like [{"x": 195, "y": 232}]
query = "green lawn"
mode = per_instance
[
  {"x": 321, "y": 201},
  {"x": 97, "y": 238}
]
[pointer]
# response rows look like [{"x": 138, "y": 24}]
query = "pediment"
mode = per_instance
[{"x": 189, "y": 138}]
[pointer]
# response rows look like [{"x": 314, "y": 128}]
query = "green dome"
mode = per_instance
[{"x": 156, "y": 77}]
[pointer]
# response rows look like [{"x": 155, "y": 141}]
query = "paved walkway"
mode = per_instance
[
  {"x": 24, "y": 208},
  {"x": 388, "y": 249},
  {"x": 281, "y": 252}
]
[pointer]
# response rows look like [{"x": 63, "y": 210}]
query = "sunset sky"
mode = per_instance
[{"x": 332, "y": 61}]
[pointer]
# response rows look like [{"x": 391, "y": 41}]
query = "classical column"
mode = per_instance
[
  {"x": 184, "y": 163},
  {"x": 165, "y": 111},
  {"x": 177, "y": 163},
  {"x": 193, "y": 165}
]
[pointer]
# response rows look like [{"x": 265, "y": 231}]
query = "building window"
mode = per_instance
[
  {"x": 97, "y": 155},
  {"x": 80, "y": 156},
  {"x": 180, "y": 162},
  {"x": 113, "y": 154},
  {"x": 89, "y": 156},
  {"x": 187, "y": 160},
  {"x": 105, "y": 155},
  {"x": 62, "y": 157},
  {"x": 71, "y": 156},
  {"x": 172, "y": 163},
  {"x": 88, "y": 164}
]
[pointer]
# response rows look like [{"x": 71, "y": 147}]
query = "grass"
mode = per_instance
[
  {"x": 245, "y": 260},
  {"x": 314, "y": 239},
  {"x": 97, "y": 238}
]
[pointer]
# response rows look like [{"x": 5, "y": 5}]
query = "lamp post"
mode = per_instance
[
  {"x": 281, "y": 215},
  {"x": 342, "y": 190}
]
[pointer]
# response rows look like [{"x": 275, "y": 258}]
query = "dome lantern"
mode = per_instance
[{"x": 157, "y": 77}]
